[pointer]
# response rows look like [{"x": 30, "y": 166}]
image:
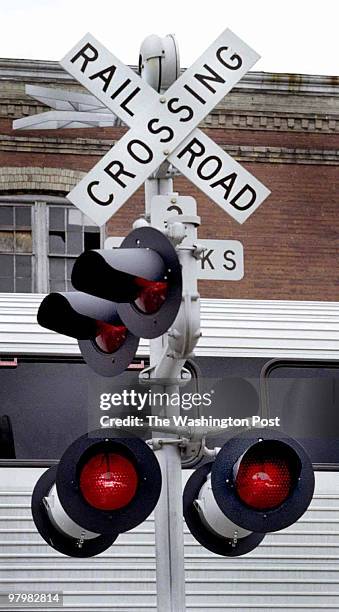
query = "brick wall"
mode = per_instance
[
  {"x": 285, "y": 135},
  {"x": 291, "y": 242}
]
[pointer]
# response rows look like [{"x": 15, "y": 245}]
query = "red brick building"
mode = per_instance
[{"x": 282, "y": 128}]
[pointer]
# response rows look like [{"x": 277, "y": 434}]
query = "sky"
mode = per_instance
[{"x": 293, "y": 36}]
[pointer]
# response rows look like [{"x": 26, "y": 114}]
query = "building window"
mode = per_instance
[
  {"x": 69, "y": 233},
  {"x": 39, "y": 242},
  {"x": 16, "y": 249}
]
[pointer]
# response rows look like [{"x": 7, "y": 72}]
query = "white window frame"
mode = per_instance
[{"x": 40, "y": 233}]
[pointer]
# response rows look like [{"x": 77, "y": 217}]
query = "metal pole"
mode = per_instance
[
  {"x": 168, "y": 355},
  {"x": 169, "y": 538},
  {"x": 168, "y": 517},
  {"x": 156, "y": 53}
]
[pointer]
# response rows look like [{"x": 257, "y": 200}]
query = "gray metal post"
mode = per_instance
[
  {"x": 168, "y": 355},
  {"x": 167, "y": 359},
  {"x": 169, "y": 538}
]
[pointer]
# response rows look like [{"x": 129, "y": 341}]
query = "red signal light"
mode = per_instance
[
  {"x": 151, "y": 295},
  {"x": 263, "y": 482},
  {"x": 108, "y": 481},
  {"x": 110, "y": 338}
]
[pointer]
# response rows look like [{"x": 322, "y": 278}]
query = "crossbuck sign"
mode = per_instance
[{"x": 163, "y": 127}]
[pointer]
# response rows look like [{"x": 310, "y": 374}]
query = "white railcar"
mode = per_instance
[{"x": 295, "y": 569}]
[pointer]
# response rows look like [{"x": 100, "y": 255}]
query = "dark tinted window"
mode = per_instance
[
  {"x": 50, "y": 404},
  {"x": 307, "y": 401}
]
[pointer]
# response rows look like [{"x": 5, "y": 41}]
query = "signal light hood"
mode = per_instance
[
  {"x": 207, "y": 537},
  {"x": 110, "y": 274},
  {"x": 74, "y": 313},
  {"x": 89, "y": 319},
  {"x": 53, "y": 535},
  {"x": 123, "y": 275}
]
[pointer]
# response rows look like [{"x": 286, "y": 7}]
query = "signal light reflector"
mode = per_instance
[
  {"x": 264, "y": 481},
  {"x": 151, "y": 295},
  {"x": 110, "y": 338},
  {"x": 108, "y": 481}
]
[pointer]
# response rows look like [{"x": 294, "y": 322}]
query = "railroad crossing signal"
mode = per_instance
[
  {"x": 163, "y": 127},
  {"x": 101, "y": 487},
  {"x": 261, "y": 481},
  {"x": 143, "y": 277},
  {"x": 106, "y": 344},
  {"x": 125, "y": 294}
]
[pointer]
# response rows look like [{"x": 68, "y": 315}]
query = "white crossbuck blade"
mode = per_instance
[{"x": 163, "y": 126}]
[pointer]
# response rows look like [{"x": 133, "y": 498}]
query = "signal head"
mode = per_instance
[
  {"x": 108, "y": 483},
  {"x": 143, "y": 276},
  {"x": 104, "y": 341},
  {"x": 204, "y": 524},
  {"x": 263, "y": 480}
]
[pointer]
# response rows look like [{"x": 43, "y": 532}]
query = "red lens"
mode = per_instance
[
  {"x": 151, "y": 295},
  {"x": 110, "y": 338},
  {"x": 263, "y": 483},
  {"x": 108, "y": 481}
]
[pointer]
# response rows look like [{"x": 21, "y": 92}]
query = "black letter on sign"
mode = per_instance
[
  {"x": 120, "y": 89},
  {"x": 178, "y": 109},
  {"x": 206, "y": 177},
  {"x": 101, "y": 75},
  {"x": 128, "y": 99},
  {"x": 230, "y": 260},
  {"x": 189, "y": 149},
  {"x": 195, "y": 94},
  {"x": 241, "y": 192},
  {"x": 233, "y": 57},
  {"x": 206, "y": 258},
  {"x": 203, "y": 78},
  {"x": 144, "y": 146},
  {"x": 94, "y": 198},
  {"x": 160, "y": 129},
  {"x": 119, "y": 172},
  {"x": 227, "y": 183},
  {"x": 82, "y": 53}
]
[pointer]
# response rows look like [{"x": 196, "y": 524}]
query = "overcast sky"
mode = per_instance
[{"x": 298, "y": 36}]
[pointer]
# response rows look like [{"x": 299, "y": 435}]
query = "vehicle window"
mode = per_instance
[
  {"x": 51, "y": 403},
  {"x": 307, "y": 401}
]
